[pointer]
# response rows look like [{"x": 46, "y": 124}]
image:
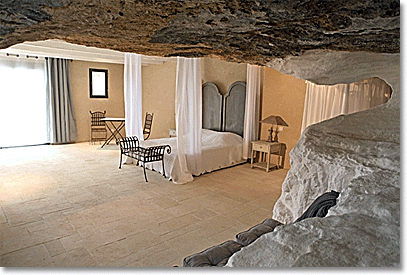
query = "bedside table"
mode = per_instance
[{"x": 267, "y": 148}]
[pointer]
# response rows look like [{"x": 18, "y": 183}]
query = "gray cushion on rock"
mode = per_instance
[
  {"x": 214, "y": 256},
  {"x": 247, "y": 237},
  {"x": 223, "y": 262}
]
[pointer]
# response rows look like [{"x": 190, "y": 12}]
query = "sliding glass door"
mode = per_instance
[{"x": 23, "y": 113}]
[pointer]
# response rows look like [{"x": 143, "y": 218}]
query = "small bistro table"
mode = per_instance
[{"x": 114, "y": 125}]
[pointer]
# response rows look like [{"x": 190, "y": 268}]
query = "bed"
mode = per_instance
[{"x": 222, "y": 122}]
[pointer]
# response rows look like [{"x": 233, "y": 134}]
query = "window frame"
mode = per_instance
[{"x": 105, "y": 71}]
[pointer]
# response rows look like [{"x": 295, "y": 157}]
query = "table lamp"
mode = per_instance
[{"x": 279, "y": 124}]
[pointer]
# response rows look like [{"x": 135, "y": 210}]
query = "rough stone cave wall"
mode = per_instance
[{"x": 250, "y": 31}]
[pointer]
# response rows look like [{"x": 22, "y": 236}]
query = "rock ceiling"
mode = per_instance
[{"x": 252, "y": 31}]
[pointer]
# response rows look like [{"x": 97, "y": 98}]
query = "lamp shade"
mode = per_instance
[{"x": 275, "y": 120}]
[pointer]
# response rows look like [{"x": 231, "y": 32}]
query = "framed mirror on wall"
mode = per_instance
[{"x": 98, "y": 83}]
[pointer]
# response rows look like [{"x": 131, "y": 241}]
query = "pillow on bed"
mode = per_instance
[
  {"x": 321, "y": 205},
  {"x": 247, "y": 237}
]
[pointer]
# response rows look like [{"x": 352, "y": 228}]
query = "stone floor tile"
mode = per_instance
[
  {"x": 255, "y": 217},
  {"x": 78, "y": 220},
  {"x": 23, "y": 218},
  {"x": 17, "y": 243},
  {"x": 242, "y": 210},
  {"x": 8, "y": 232},
  {"x": 35, "y": 226},
  {"x": 168, "y": 235},
  {"x": 52, "y": 208},
  {"x": 180, "y": 210},
  {"x": 71, "y": 242},
  {"x": 34, "y": 256},
  {"x": 205, "y": 213},
  {"x": 180, "y": 195},
  {"x": 224, "y": 207},
  {"x": 79, "y": 257},
  {"x": 190, "y": 243},
  {"x": 87, "y": 231},
  {"x": 87, "y": 212},
  {"x": 162, "y": 258},
  {"x": 176, "y": 263},
  {"x": 99, "y": 239},
  {"x": 223, "y": 236},
  {"x": 138, "y": 255},
  {"x": 55, "y": 247},
  {"x": 3, "y": 218},
  {"x": 109, "y": 252},
  {"x": 180, "y": 222},
  {"x": 166, "y": 202},
  {"x": 53, "y": 232},
  {"x": 139, "y": 241}
]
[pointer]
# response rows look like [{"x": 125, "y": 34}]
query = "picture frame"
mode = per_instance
[{"x": 98, "y": 83}]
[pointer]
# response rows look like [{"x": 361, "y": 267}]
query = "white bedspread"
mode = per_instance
[{"x": 219, "y": 150}]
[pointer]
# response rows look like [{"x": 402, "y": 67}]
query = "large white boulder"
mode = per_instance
[{"x": 357, "y": 155}]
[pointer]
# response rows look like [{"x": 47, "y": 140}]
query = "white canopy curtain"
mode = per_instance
[
  {"x": 22, "y": 101},
  {"x": 61, "y": 115},
  {"x": 326, "y": 101},
  {"x": 252, "y": 108},
  {"x": 133, "y": 97},
  {"x": 188, "y": 118}
]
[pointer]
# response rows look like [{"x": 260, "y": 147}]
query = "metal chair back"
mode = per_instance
[
  {"x": 147, "y": 125},
  {"x": 98, "y": 130}
]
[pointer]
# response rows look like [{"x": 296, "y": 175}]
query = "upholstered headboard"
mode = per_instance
[
  {"x": 234, "y": 103},
  {"x": 211, "y": 107},
  {"x": 224, "y": 113}
]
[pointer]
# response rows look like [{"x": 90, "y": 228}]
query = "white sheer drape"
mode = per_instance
[
  {"x": 251, "y": 116},
  {"x": 23, "y": 110},
  {"x": 188, "y": 117},
  {"x": 133, "y": 96},
  {"x": 326, "y": 101}
]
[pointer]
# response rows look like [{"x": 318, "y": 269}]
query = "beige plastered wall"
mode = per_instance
[
  {"x": 283, "y": 95},
  {"x": 114, "y": 104},
  {"x": 159, "y": 83},
  {"x": 222, "y": 73}
]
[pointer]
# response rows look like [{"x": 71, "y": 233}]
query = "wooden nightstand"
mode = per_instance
[{"x": 267, "y": 148}]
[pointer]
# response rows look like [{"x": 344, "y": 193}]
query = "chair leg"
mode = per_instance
[
  {"x": 144, "y": 167},
  {"x": 120, "y": 164}
]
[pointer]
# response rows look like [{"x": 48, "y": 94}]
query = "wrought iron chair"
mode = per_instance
[
  {"x": 147, "y": 125},
  {"x": 98, "y": 130}
]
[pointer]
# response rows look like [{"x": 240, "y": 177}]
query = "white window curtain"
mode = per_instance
[
  {"x": 251, "y": 116},
  {"x": 326, "y": 101},
  {"x": 133, "y": 97},
  {"x": 188, "y": 117},
  {"x": 23, "y": 112}
]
